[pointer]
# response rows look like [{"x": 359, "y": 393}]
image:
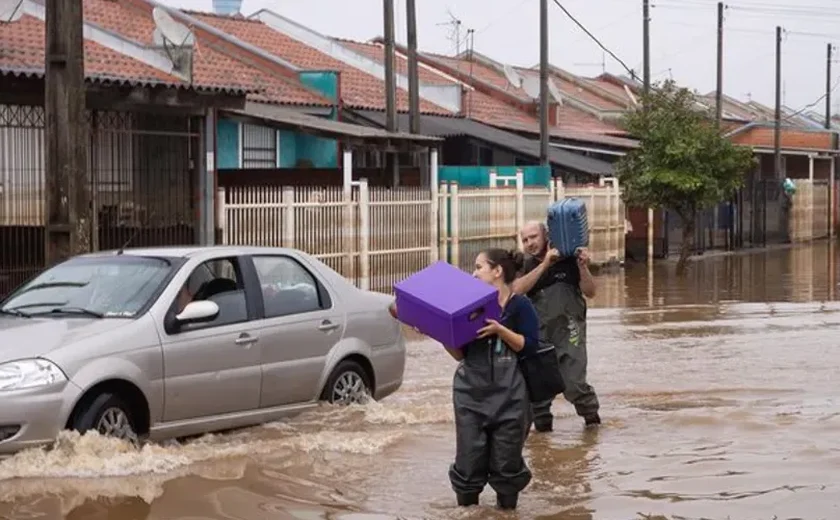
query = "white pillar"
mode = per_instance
[
  {"x": 434, "y": 213},
  {"x": 347, "y": 165},
  {"x": 364, "y": 235},
  {"x": 650, "y": 235},
  {"x": 349, "y": 229}
]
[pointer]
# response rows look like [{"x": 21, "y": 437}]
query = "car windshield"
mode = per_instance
[{"x": 99, "y": 287}]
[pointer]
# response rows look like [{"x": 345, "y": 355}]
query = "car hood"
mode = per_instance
[{"x": 22, "y": 338}]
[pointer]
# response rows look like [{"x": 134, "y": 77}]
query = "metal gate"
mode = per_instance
[
  {"x": 142, "y": 174},
  {"x": 144, "y": 181}
]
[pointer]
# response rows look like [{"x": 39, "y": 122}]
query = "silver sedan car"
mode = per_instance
[{"x": 174, "y": 342}]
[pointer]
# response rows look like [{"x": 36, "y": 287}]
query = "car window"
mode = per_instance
[
  {"x": 287, "y": 287},
  {"x": 219, "y": 281},
  {"x": 119, "y": 286}
]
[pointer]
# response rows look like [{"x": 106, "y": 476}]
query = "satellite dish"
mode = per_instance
[
  {"x": 176, "y": 39},
  {"x": 171, "y": 32},
  {"x": 531, "y": 86},
  {"x": 11, "y": 10},
  {"x": 512, "y": 76},
  {"x": 555, "y": 92}
]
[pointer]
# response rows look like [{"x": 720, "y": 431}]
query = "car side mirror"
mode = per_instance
[{"x": 198, "y": 312}]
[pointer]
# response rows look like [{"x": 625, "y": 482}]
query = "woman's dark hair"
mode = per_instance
[{"x": 511, "y": 262}]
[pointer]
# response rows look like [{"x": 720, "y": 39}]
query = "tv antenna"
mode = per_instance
[
  {"x": 176, "y": 39},
  {"x": 11, "y": 10},
  {"x": 602, "y": 64},
  {"x": 455, "y": 31}
]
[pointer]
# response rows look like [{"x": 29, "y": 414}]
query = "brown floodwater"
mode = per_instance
[{"x": 718, "y": 401}]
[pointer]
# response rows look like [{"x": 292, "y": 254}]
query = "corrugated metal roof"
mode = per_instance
[
  {"x": 452, "y": 126},
  {"x": 335, "y": 129}
]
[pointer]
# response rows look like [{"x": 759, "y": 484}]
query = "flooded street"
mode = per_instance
[{"x": 717, "y": 400}]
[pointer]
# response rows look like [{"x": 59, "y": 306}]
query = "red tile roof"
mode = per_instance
[
  {"x": 22, "y": 52},
  {"x": 358, "y": 88},
  {"x": 376, "y": 51},
  {"x": 580, "y": 90},
  {"x": 132, "y": 19},
  {"x": 494, "y": 111}
]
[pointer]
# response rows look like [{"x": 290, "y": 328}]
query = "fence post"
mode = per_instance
[
  {"x": 364, "y": 235},
  {"x": 287, "y": 200},
  {"x": 434, "y": 217},
  {"x": 559, "y": 189},
  {"x": 494, "y": 178},
  {"x": 221, "y": 215},
  {"x": 443, "y": 221},
  {"x": 520, "y": 207},
  {"x": 348, "y": 222},
  {"x": 455, "y": 222}
]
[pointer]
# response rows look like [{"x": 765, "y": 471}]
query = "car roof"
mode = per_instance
[{"x": 193, "y": 251}]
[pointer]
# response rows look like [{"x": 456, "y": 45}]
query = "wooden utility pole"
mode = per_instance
[
  {"x": 719, "y": 93},
  {"x": 413, "y": 78},
  {"x": 544, "y": 83},
  {"x": 828, "y": 88},
  {"x": 646, "y": 43},
  {"x": 67, "y": 229},
  {"x": 777, "y": 134},
  {"x": 390, "y": 86},
  {"x": 390, "y": 83}
]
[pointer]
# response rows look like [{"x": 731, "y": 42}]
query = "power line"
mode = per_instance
[
  {"x": 596, "y": 40},
  {"x": 813, "y": 104}
]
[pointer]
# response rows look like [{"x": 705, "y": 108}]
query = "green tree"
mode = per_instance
[{"x": 683, "y": 163}]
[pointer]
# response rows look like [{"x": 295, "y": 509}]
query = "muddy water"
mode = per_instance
[{"x": 718, "y": 402}]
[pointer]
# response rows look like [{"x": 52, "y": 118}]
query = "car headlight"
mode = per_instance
[{"x": 29, "y": 373}]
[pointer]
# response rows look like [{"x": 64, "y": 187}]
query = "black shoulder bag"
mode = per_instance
[{"x": 541, "y": 370}]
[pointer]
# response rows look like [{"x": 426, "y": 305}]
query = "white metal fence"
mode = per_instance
[{"x": 376, "y": 236}]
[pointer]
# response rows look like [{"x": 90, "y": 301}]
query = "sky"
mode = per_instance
[{"x": 683, "y": 37}]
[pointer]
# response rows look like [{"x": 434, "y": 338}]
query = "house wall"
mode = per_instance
[{"x": 245, "y": 145}]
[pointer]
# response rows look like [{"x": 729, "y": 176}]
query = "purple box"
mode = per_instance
[{"x": 446, "y": 304}]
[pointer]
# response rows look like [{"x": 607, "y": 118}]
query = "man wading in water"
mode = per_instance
[{"x": 557, "y": 286}]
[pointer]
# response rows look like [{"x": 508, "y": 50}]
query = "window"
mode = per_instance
[
  {"x": 259, "y": 147},
  {"x": 287, "y": 287},
  {"x": 111, "y": 286},
  {"x": 218, "y": 281}
]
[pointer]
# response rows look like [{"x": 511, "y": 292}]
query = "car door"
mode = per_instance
[
  {"x": 213, "y": 368},
  {"x": 301, "y": 324}
]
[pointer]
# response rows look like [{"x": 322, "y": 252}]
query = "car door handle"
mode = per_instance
[
  {"x": 245, "y": 339},
  {"x": 328, "y": 326}
]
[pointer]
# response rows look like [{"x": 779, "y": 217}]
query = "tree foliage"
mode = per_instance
[{"x": 683, "y": 163}]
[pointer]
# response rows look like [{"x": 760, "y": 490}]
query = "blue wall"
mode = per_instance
[
  {"x": 227, "y": 144},
  {"x": 291, "y": 146},
  {"x": 480, "y": 175}
]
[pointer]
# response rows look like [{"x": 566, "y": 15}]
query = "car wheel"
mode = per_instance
[
  {"x": 348, "y": 384},
  {"x": 109, "y": 415}
]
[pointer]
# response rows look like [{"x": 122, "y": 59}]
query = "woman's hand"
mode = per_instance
[{"x": 493, "y": 328}]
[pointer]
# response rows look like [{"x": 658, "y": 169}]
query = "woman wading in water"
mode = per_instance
[{"x": 492, "y": 408}]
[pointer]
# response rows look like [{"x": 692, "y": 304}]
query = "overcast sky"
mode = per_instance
[{"x": 683, "y": 36}]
